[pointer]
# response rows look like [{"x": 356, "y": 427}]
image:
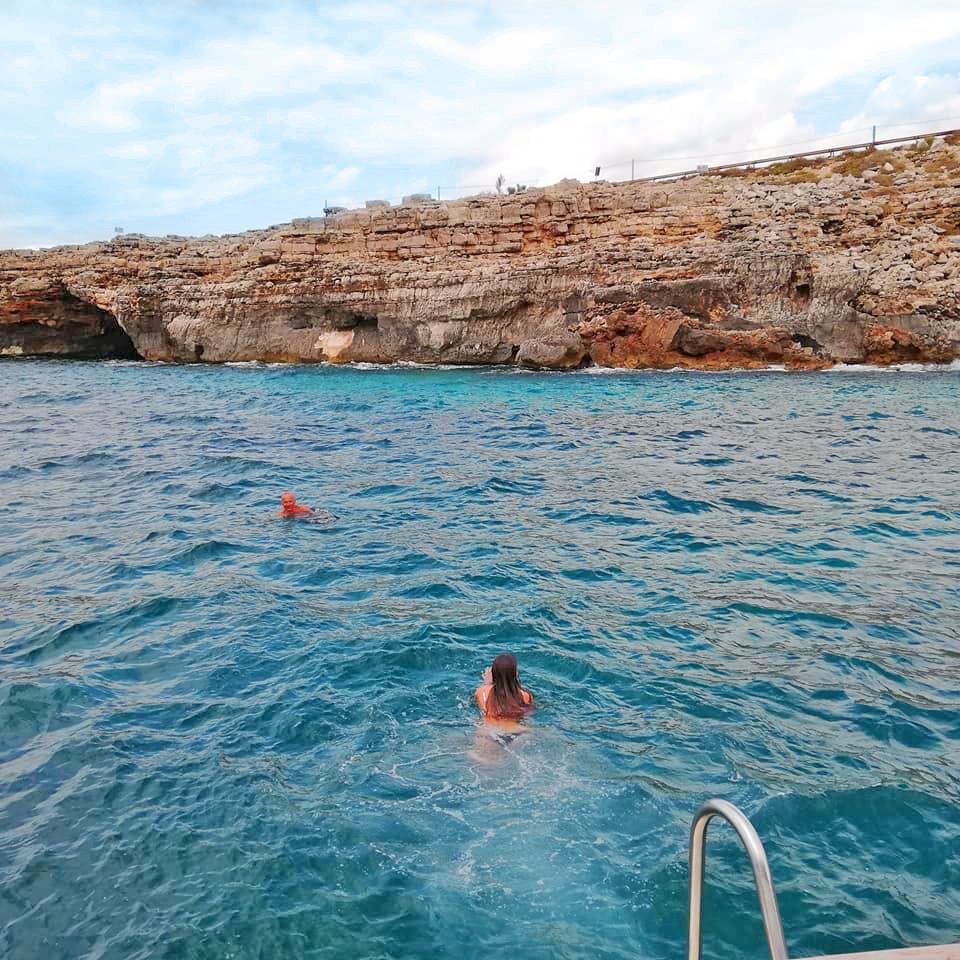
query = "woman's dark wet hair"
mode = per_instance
[{"x": 506, "y": 697}]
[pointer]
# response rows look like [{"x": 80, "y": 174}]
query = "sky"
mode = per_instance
[{"x": 216, "y": 116}]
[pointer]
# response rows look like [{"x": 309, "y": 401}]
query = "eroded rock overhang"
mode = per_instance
[{"x": 40, "y": 317}]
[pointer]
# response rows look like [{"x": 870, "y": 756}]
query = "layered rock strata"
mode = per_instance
[{"x": 807, "y": 264}]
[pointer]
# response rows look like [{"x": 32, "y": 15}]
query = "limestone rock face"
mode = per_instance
[
  {"x": 560, "y": 351},
  {"x": 842, "y": 260}
]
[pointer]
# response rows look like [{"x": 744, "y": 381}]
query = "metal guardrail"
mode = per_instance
[
  {"x": 826, "y": 151},
  {"x": 456, "y": 192},
  {"x": 761, "y": 874}
]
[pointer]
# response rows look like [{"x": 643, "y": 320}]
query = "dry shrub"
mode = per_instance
[
  {"x": 941, "y": 164},
  {"x": 883, "y": 189},
  {"x": 790, "y": 166},
  {"x": 953, "y": 139},
  {"x": 735, "y": 172},
  {"x": 804, "y": 176},
  {"x": 896, "y": 159},
  {"x": 855, "y": 162}
]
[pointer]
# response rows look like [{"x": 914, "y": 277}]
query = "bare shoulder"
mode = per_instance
[
  {"x": 482, "y": 692},
  {"x": 527, "y": 696}
]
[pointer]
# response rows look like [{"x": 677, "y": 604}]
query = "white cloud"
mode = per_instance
[
  {"x": 929, "y": 102},
  {"x": 361, "y": 97}
]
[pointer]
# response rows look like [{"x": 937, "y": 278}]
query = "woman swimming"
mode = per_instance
[{"x": 503, "y": 702}]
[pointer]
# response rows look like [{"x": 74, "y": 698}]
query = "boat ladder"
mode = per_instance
[{"x": 768, "y": 898}]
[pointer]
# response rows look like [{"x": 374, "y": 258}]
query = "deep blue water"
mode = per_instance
[{"x": 225, "y": 735}]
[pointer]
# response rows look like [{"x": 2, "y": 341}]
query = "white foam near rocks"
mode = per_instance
[
  {"x": 605, "y": 371},
  {"x": 952, "y": 367}
]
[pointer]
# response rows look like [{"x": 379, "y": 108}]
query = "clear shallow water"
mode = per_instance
[{"x": 223, "y": 735}]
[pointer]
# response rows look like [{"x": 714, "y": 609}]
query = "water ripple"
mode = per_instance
[{"x": 226, "y": 735}]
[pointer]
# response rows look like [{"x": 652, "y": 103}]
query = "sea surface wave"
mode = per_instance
[{"x": 226, "y": 735}]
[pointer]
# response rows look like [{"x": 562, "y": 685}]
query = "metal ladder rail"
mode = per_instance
[
  {"x": 768, "y": 899},
  {"x": 761, "y": 875}
]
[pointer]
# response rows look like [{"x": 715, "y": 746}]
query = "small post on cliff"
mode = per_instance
[
  {"x": 874, "y": 135},
  {"x": 632, "y": 162},
  {"x": 438, "y": 194}
]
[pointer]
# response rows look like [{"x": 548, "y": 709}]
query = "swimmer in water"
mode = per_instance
[
  {"x": 503, "y": 702},
  {"x": 289, "y": 507}
]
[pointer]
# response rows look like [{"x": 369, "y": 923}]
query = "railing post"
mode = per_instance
[{"x": 761, "y": 875}]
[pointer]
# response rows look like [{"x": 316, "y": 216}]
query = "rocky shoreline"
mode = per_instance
[{"x": 806, "y": 264}]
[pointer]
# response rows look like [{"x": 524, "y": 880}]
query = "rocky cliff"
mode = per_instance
[{"x": 855, "y": 259}]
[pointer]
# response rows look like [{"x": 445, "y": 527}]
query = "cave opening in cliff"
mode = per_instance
[
  {"x": 365, "y": 321},
  {"x": 118, "y": 344},
  {"x": 91, "y": 332},
  {"x": 57, "y": 323},
  {"x": 808, "y": 343}
]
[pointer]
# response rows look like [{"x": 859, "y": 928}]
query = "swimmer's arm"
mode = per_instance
[
  {"x": 527, "y": 697},
  {"x": 482, "y": 693}
]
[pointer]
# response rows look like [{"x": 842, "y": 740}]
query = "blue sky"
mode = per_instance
[{"x": 217, "y": 116}]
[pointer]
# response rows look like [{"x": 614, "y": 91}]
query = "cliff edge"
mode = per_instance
[{"x": 854, "y": 259}]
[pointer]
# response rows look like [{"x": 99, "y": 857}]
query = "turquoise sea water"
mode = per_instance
[{"x": 225, "y": 735}]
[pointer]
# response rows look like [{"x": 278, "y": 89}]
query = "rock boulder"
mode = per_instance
[{"x": 559, "y": 351}]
